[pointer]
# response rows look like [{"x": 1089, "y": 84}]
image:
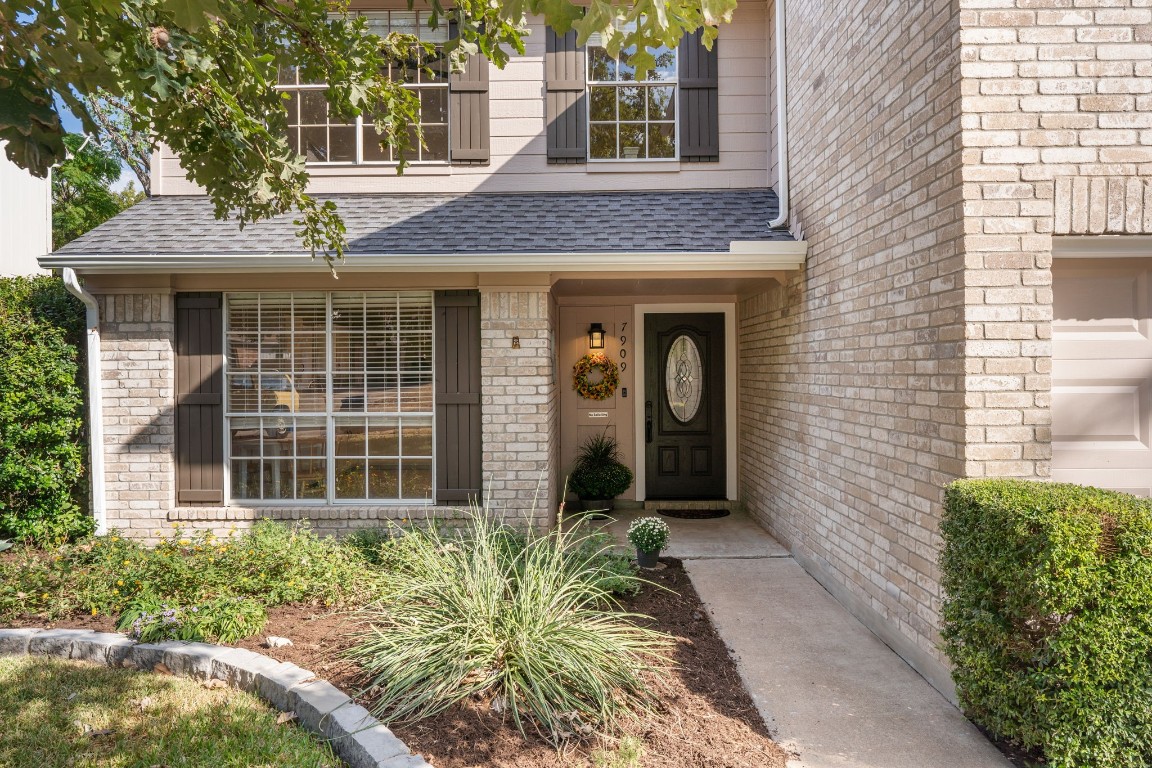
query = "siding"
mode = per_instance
[
  {"x": 25, "y": 219},
  {"x": 519, "y": 144}
]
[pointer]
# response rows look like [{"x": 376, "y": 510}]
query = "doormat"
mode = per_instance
[{"x": 694, "y": 514}]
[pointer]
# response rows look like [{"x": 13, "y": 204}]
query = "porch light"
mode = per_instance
[{"x": 596, "y": 336}]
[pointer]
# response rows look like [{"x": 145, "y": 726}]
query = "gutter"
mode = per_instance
[
  {"x": 781, "y": 221},
  {"x": 744, "y": 255},
  {"x": 95, "y": 401}
]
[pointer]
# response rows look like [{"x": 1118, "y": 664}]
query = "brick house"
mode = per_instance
[{"x": 963, "y": 291}]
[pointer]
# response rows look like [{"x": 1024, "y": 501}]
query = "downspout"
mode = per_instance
[
  {"x": 782, "y": 118},
  {"x": 95, "y": 401}
]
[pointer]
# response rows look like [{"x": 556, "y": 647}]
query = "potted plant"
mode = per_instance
[
  {"x": 598, "y": 475},
  {"x": 649, "y": 535}
]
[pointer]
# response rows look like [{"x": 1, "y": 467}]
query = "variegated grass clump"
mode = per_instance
[{"x": 524, "y": 623}]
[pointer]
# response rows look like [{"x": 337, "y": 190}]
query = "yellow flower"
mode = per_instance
[
  {"x": 45, "y": 595},
  {"x": 184, "y": 542},
  {"x": 127, "y": 562},
  {"x": 120, "y": 582},
  {"x": 115, "y": 538},
  {"x": 115, "y": 591},
  {"x": 251, "y": 551},
  {"x": 93, "y": 611}
]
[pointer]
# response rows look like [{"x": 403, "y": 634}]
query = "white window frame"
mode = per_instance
[
  {"x": 330, "y": 416},
  {"x": 674, "y": 82},
  {"x": 361, "y": 125}
]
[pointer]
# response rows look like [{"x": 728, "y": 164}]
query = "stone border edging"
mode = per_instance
[{"x": 357, "y": 738}]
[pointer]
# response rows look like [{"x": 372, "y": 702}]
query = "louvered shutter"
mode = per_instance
[
  {"x": 199, "y": 399},
  {"x": 468, "y": 110},
  {"x": 699, "y": 105},
  {"x": 458, "y": 439},
  {"x": 566, "y": 97}
]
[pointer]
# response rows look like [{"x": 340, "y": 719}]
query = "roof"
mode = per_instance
[{"x": 696, "y": 220}]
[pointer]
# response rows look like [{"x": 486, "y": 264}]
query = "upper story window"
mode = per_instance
[
  {"x": 321, "y": 138},
  {"x": 631, "y": 116}
]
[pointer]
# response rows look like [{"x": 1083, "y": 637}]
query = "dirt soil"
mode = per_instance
[{"x": 704, "y": 718}]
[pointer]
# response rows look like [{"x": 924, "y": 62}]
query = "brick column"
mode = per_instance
[
  {"x": 136, "y": 339},
  {"x": 519, "y": 402}
]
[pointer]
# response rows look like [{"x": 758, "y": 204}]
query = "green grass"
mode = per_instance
[{"x": 57, "y": 714}]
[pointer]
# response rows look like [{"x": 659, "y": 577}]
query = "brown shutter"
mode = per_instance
[
  {"x": 566, "y": 99},
  {"x": 699, "y": 107},
  {"x": 468, "y": 110},
  {"x": 199, "y": 399},
  {"x": 458, "y": 441}
]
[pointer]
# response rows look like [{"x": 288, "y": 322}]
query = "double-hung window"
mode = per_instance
[
  {"x": 329, "y": 396},
  {"x": 322, "y": 138},
  {"x": 631, "y": 116}
]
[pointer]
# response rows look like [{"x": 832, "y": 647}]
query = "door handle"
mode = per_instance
[{"x": 647, "y": 421}]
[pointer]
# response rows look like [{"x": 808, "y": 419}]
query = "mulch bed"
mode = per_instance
[{"x": 704, "y": 717}]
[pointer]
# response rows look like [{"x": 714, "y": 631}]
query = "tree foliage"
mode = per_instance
[
  {"x": 82, "y": 197},
  {"x": 200, "y": 76}
]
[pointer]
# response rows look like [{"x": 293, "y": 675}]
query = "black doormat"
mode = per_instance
[{"x": 694, "y": 514}]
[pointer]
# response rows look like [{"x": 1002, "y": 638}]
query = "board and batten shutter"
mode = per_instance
[
  {"x": 699, "y": 103},
  {"x": 566, "y": 98},
  {"x": 468, "y": 110},
  {"x": 199, "y": 399},
  {"x": 457, "y": 399}
]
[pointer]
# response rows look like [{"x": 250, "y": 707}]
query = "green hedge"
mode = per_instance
[
  {"x": 42, "y": 452},
  {"x": 1048, "y": 617}
]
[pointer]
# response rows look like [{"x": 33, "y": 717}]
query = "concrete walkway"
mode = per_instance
[{"x": 830, "y": 690}]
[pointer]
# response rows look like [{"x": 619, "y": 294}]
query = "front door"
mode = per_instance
[{"x": 684, "y": 406}]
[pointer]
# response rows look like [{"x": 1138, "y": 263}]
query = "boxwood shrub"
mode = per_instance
[{"x": 1048, "y": 617}]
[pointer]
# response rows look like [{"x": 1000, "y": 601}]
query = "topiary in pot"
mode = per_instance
[{"x": 598, "y": 475}]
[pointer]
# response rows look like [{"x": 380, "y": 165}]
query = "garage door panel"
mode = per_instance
[{"x": 1102, "y": 374}]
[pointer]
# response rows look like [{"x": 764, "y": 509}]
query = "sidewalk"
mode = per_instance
[{"x": 829, "y": 689}]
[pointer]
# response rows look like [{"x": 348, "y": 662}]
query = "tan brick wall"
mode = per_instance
[
  {"x": 851, "y": 386},
  {"x": 136, "y": 336},
  {"x": 519, "y": 403},
  {"x": 1057, "y": 138}
]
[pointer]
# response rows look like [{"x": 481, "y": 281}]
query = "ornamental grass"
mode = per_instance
[{"x": 522, "y": 624}]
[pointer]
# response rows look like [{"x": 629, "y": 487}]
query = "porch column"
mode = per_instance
[{"x": 519, "y": 402}]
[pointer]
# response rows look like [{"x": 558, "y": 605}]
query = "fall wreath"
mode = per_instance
[{"x": 603, "y": 389}]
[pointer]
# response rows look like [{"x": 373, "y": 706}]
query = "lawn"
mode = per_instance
[{"x": 64, "y": 713}]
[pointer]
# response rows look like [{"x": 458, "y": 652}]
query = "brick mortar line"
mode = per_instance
[{"x": 356, "y": 737}]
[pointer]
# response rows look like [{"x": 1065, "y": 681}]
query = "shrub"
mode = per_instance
[
  {"x": 1048, "y": 617},
  {"x": 648, "y": 534},
  {"x": 525, "y": 621},
  {"x": 41, "y": 412},
  {"x": 222, "y": 620},
  {"x": 270, "y": 563}
]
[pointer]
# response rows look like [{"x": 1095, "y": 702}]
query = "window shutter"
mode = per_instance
[
  {"x": 468, "y": 110},
  {"x": 458, "y": 439},
  {"x": 699, "y": 107},
  {"x": 566, "y": 99},
  {"x": 199, "y": 399}
]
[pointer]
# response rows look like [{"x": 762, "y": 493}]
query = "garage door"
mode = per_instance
[{"x": 1102, "y": 373}]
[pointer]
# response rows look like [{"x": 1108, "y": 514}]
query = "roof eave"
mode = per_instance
[{"x": 745, "y": 255}]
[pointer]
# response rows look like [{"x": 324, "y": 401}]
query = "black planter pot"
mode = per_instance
[
  {"x": 597, "y": 506},
  {"x": 647, "y": 559}
]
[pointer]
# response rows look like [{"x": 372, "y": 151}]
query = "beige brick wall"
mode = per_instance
[
  {"x": 1057, "y": 137},
  {"x": 851, "y": 386},
  {"x": 519, "y": 403},
  {"x": 136, "y": 336}
]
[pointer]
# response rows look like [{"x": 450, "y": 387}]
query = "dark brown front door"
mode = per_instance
[{"x": 684, "y": 406}]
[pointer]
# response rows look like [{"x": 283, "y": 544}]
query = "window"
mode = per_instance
[
  {"x": 329, "y": 396},
  {"x": 312, "y": 132},
  {"x": 630, "y": 118}
]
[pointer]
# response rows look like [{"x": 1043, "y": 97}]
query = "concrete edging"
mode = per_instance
[{"x": 357, "y": 738}]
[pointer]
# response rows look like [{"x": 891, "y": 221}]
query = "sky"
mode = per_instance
[{"x": 71, "y": 124}]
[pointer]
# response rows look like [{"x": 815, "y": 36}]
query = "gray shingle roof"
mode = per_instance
[{"x": 585, "y": 222}]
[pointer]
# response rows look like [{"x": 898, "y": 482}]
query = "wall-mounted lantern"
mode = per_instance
[{"x": 596, "y": 336}]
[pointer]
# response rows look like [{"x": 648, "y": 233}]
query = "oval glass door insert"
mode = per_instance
[{"x": 683, "y": 378}]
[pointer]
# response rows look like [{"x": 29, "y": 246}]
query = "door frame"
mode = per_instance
[{"x": 730, "y": 371}]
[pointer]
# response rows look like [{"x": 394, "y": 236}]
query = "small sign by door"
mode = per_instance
[{"x": 597, "y": 414}]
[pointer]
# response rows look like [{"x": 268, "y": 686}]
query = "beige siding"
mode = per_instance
[
  {"x": 25, "y": 219},
  {"x": 519, "y": 162}
]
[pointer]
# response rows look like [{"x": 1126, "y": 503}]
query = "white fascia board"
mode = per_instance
[{"x": 745, "y": 255}]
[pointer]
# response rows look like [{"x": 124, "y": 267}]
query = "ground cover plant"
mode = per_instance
[
  {"x": 525, "y": 622},
  {"x": 63, "y": 713},
  {"x": 1048, "y": 617},
  {"x": 189, "y": 586}
]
